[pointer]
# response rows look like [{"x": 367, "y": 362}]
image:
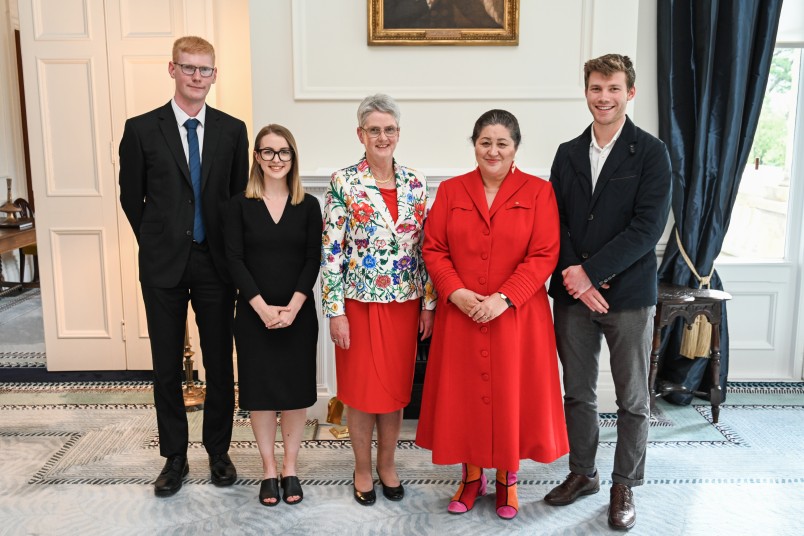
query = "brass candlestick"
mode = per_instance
[
  {"x": 193, "y": 395},
  {"x": 9, "y": 207}
]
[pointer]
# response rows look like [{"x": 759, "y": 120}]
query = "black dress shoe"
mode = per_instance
[
  {"x": 222, "y": 469},
  {"x": 169, "y": 480},
  {"x": 365, "y": 498},
  {"x": 395, "y": 493},
  {"x": 573, "y": 487}
]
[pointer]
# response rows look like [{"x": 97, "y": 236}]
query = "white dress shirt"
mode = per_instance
[
  {"x": 598, "y": 154},
  {"x": 181, "y": 117}
]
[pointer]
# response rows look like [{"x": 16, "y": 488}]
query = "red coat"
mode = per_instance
[{"x": 491, "y": 392}]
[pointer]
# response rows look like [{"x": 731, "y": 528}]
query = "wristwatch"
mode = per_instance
[{"x": 506, "y": 299}]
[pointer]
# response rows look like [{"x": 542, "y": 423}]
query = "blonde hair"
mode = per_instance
[
  {"x": 191, "y": 44},
  {"x": 254, "y": 189}
]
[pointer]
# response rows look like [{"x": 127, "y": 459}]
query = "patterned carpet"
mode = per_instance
[{"x": 81, "y": 458}]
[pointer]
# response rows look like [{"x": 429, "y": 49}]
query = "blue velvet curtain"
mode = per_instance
[{"x": 713, "y": 63}]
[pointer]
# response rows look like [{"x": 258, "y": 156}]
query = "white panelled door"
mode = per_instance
[{"x": 69, "y": 125}]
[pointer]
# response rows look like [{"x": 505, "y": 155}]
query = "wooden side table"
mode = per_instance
[
  {"x": 677, "y": 301},
  {"x": 11, "y": 239}
]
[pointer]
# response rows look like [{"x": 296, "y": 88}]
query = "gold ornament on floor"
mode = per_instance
[
  {"x": 335, "y": 416},
  {"x": 193, "y": 394}
]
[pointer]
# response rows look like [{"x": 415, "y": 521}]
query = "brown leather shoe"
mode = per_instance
[
  {"x": 622, "y": 512},
  {"x": 573, "y": 487}
]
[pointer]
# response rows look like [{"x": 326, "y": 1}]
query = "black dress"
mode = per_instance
[{"x": 276, "y": 367}]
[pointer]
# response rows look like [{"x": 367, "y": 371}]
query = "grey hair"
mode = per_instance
[{"x": 377, "y": 103}]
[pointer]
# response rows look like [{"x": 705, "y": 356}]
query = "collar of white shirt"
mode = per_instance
[
  {"x": 182, "y": 117},
  {"x": 609, "y": 144}
]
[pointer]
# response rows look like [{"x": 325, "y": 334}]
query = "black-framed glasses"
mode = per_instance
[
  {"x": 268, "y": 154},
  {"x": 374, "y": 132},
  {"x": 189, "y": 70}
]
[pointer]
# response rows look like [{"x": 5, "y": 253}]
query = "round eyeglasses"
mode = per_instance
[
  {"x": 267, "y": 154},
  {"x": 374, "y": 132},
  {"x": 189, "y": 70}
]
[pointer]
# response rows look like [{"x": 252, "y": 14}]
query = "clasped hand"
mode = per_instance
[
  {"x": 273, "y": 316},
  {"x": 580, "y": 287},
  {"x": 478, "y": 307}
]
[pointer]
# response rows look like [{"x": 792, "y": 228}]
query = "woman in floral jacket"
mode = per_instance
[{"x": 376, "y": 291}]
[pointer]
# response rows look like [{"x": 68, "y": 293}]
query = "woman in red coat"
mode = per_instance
[{"x": 492, "y": 394}]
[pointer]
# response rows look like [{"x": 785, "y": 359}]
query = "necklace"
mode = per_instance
[{"x": 378, "y": 180}]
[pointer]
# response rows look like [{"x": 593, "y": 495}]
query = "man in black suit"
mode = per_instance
[
  {"x": 179, "y": 166},
  {"x": 612, "y": 187}
]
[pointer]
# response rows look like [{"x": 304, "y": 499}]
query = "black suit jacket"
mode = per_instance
[
  {"x": 612, "y": 232},
  {"x": 156, "y": 192}
]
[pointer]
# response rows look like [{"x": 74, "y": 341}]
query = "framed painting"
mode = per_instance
[{"x": 443, "y": 22}]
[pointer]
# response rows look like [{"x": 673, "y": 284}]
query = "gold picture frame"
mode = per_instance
[{"x": 443, "y": 22}]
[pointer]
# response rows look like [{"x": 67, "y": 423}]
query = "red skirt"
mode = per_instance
[{"x": 375, "y": 375}]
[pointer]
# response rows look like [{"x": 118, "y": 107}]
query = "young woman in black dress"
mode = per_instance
[{"x": 273, "y": 243}]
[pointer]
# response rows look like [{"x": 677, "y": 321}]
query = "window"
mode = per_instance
[{"x": 757, "y": 229}]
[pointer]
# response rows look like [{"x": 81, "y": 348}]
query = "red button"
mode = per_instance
[
  {"x": 484, "y": 353},
  {"x": 484, "y": 256},
  {"x": 485, "y": 232},
  {"x": 486, "y": 400},
  {"x": 481, "y": 280},
  {"x": 484, "y": 329},
  {"x": 485, "y": 377}
]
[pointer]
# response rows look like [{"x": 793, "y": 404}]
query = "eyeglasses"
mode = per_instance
[
  {"x": 189, "y": 70},
  {"x": 374, "y": 132},
  {"x": 267, "y": 154}
]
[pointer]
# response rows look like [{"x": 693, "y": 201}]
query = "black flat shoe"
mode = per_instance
[
  {"x": 395, "y": 493},
  {"x": 292, "y": 487},
  {"x": 269, "y": 489},
  {"x": 365, "y": 498},
  {"x": 169, "y": 480}
]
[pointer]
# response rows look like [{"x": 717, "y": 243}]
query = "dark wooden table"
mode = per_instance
[
  {"x": 11, "y": 239},
  {"x": 677, "y": 301}
]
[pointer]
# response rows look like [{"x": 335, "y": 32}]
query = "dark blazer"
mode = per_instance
[
  {"x": 156, "y": 192},
  {"x": 612, "y": 232}
]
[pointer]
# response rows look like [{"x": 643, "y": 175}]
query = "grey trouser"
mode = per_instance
[{"x": 628, "y": 334}]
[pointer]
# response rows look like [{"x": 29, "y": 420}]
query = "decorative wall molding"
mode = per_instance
[
  {"x": 80, "y": 283},
  {"x": 762, "y": 307},
  {"x": 69, "y": 132},
  {"x": 352, "y": 87},
  {"x": 163, "y": 22},
  {"x": 59, "y": 29}
]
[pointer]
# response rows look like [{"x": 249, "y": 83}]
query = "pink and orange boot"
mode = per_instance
[
  {"x": 473, "y": 485},
  {"x": 507, "y": 500}
]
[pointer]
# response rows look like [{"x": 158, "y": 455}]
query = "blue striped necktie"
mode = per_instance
[{"x": 199, "y": 233}]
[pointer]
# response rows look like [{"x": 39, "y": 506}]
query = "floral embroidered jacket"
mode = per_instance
[{"x": 366, "y": 255}]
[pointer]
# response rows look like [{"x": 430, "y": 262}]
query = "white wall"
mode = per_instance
[{"x": 312, "y": 66}]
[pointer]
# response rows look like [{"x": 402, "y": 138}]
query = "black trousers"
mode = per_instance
[{"x": 166, "y": 310}]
